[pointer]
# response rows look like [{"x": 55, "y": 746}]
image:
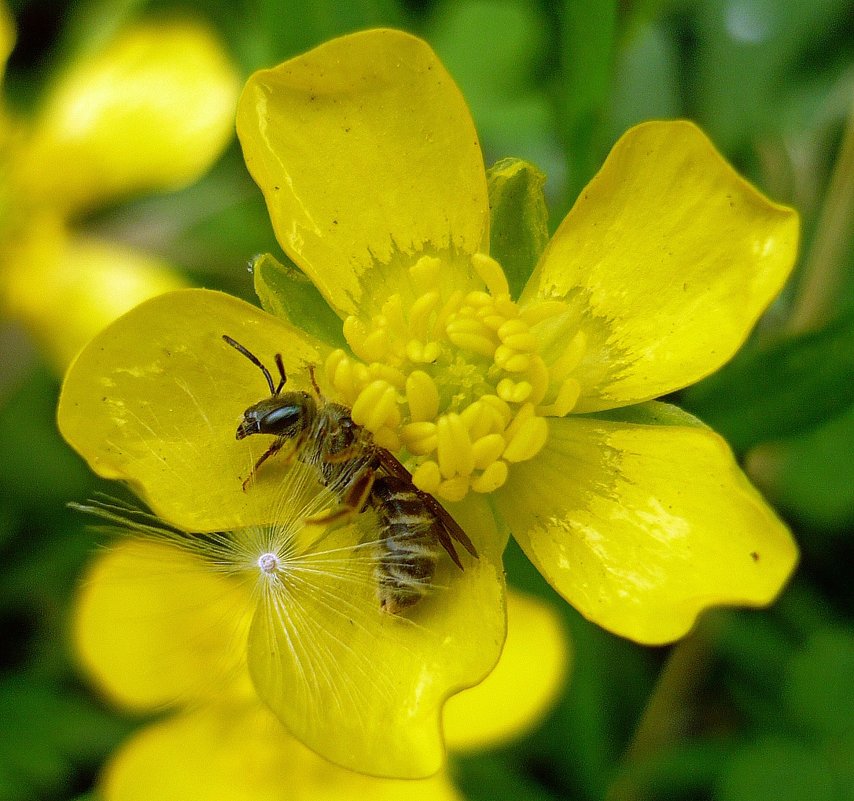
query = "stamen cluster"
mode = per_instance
[{"x": 459, "y": 380}]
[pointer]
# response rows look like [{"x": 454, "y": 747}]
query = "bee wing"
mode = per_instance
[
  {"x": 390, "y": 465},
  {"x": 449, "y": 528},
  {"x": 449, "y": 525}
]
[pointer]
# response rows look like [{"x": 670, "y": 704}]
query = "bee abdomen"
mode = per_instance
[{"x": 408, "y": 552}]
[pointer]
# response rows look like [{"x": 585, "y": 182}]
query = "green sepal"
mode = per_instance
[
  {"x": 519, "y": 219},
  {"x": 651, "y": 413},
  {"x": 285, "y": 292}
]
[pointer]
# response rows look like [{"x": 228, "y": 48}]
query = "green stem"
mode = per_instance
[
  {"x": 668, "y": 713},
  {"x": 824, "y": 264}
]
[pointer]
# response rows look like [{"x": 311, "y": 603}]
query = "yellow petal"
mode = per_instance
[
  {"x": 364, "y": 149},
  {"x": 525, "y": 683},
  {"x": 364, "y": 687},
  {"x": 242, "y": 754},
  {"x": 153, "y": 627},
  {"x": 150, "y": 112},
  {"x": 7, "y": 36},
  {"x": 65, "y": 290},
  {"x": 156, "y": 398},
  {"x": 641, "y": 527},
  {"x": 668, "y": 257}
]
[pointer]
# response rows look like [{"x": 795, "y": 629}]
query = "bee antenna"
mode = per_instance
[
  {"x": 314, "y": 382},
  {"x": 257, "y": 362},
  {"x": 281, "y": 365}
]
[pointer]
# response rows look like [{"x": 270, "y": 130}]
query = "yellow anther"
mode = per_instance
[
  {"x": 361, "y": 376},
  {"x": 570, "y": 358},
  {"x": 422, "y": 395},
  {"x": 511, "y": 327},
  {"x": 431, "y": 352},
  {"x": 527, "y": 440},
  {"x": 510, "y": 360},
  {"x": 385, "y": 371},
  {"x": 415, "y": 351},
  {"x": 513, "y": 391},
  {"x": 354, "y": 331},
  {"x": 454, "y": 446},
  {"x": 419, "y": 314},
  {"x": 487, "y": 449},
  {"x": 393, "y": 312},
  {"x": 459, "y": 324},
  {"x": 339, "y": 368},
  {"x": 538, "y": 375},
  {"x": 454, "y": 489},
  {"x": 502, "y": 410},
  {"x": 376, "y": 406},
  {"x": 537, "y": 312},
  {"x": 491, "y": 479},
  {"x": 475, "y": 343},
  {"x": 425, "y": 271},
  {"x": 493, "y": 320},
  {"x": 427, "y": 477},
  {"x": 490, "y": 273},
  {"x": 448, "y": 308},
  {"x": 479, "y": 300},
  {"x": 420, "y": 438},
  {"x": 567, "y": 397},
  {"x": 516, "y": 334},
  {"x": 524, "y": 414},
  {"x": 333, "y": 360},
  {"x": 478, "y": 419},
  {"x": 374, "y": 346},
  {"x": 388, "y": 439},
  {"x": 506, "y": 307},
  {"x": 524, "y": 342},
  {"x": 518, "y": 363}
]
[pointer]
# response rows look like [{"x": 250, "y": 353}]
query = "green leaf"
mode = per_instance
[
  {"x": 502, "y": 77},
  {"x": 266, "y": 32},
  {"x": 819, "y": 687},
  {"x": 285, "y": 292},
  {"x": 749, "y": 55},
  {"x": 519, "y": 219},
  {"x": 588, "y": 46},
  {"x": 48, "y": 735},
  {"x": 811, "y": 476},
  {"x": 646, "y": 80},
  {"x": 37, "y": 469},
  {"x": 780, "y": 390},
  {"x": 482, "y": 778},
  {"x": 779, "y": 769}
]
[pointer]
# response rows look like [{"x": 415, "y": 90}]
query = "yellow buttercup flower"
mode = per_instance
[
  {"x": 150, "y": 111},
  {"x": 634, "y": 511}
]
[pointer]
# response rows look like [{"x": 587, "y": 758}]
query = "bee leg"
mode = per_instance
[
  {"x": 277, "y": 445},
  {"x": 352, "y": 503}
]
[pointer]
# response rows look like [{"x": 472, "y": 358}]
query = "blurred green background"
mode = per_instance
[{"x": 755, "y": 705}]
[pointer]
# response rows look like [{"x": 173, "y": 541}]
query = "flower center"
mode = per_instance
[
  {"x": 269, "y": 563},
  {"x": 458, "y": 382}
]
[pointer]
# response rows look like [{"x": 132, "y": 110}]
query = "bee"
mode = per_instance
[{"x": 322, "y": 435}]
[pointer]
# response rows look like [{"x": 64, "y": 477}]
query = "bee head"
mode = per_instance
[{"x": 286, "y": 416}]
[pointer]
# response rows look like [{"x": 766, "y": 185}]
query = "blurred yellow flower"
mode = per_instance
[
  {"x": 160, "y": 623},
  {"x": 149, "y": 112}
]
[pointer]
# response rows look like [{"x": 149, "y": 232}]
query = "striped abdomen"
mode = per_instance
[{"x": 409, "y": 547}]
